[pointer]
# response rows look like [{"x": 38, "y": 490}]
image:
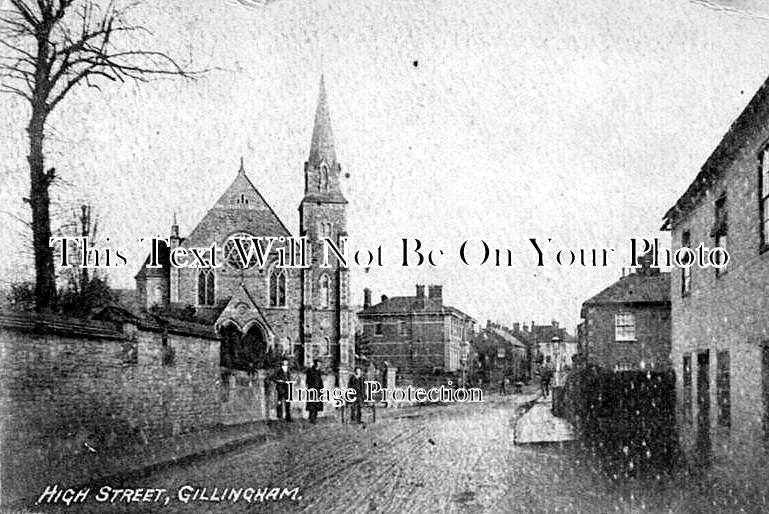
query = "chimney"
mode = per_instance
[
  {"x": 366, "y": 298},
  {"x": 488, "y": 324},
  {"x": 516, "y": 327},
  {"x": 384, "y": 298},
  {"x": 420, "y": 291},
  {"x": 525, "y": 327},
  {"x": 555, "y": 324},
  {"x": 436, "y": 292}
]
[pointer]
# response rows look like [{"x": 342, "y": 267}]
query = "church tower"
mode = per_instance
[{"x": 326, "y": 314}]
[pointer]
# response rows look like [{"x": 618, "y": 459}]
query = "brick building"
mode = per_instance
[
  {"x": 417, "y": 334},
  {"x": 627, "y": 325},
  {"x": 547, "y": 343},
  {"x": 500, "y": 354},
  {"x": 720, "y": 341},
  {"x": 303, "y": 312}
]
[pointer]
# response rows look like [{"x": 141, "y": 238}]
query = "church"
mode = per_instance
[{"x": 303, "y": 314}]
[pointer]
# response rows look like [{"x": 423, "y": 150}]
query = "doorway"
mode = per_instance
[{"x": 703, "y": 406}]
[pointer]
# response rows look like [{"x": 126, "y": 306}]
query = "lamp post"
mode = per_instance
[{"x": 556, "y": 344}]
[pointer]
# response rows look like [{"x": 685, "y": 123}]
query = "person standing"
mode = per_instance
[
  {"x": 281, "y": 378},
  {"x": 545, "y": 376},
  {"x": 356, "y": 382},
  {"x": 314, "y": 383}
]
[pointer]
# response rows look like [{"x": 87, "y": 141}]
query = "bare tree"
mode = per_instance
[{"x": 54, "y": 46}]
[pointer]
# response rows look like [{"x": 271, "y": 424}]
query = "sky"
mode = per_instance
[{"x": 582, "y": 122}]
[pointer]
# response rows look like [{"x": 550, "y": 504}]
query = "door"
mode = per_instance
[
  {"x": 703, "y": 406},
  {"x": 765, "y": 380}
]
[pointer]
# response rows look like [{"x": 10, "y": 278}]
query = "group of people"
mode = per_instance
[{"x": 314, "y": 380}]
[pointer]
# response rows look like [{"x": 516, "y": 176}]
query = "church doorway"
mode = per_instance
[{"x": 242, "y": 351}]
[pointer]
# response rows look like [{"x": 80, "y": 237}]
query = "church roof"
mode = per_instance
[
  {"x": 241, "y": 208},
  {"x": 322, "y": 142}
]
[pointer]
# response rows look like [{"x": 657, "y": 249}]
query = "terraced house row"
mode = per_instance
[{"x": 720, "y": 318}]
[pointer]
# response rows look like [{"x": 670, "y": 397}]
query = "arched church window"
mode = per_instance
[
  {"x": 277, "y": 287},
  {"x": 323, "y": 178},
  {"x": 206, "y": 287},
  {"x": 327, "y": 345},
  {"x": 232, "y": 254},
  {"x": 324, "y": 292}
]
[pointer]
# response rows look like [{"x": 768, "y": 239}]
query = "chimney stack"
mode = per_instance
[
  {"x": 384, "y": 298},
  {"x": 420, "y": 291},
  {"x": 436, "y": 292},
  {"x": 366, "y": 298},
  {"x": 516, "y": 327}
]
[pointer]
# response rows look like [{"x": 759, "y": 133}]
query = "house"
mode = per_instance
[
  {"x": 303, "y": 313},
  {"x": 500, "y": 354},
  {"x": 419, "y": 334},
  {"x": 720, "y": 331},
  {"x": 627, "y": 325},
  {"x": 547, "y": 343}
]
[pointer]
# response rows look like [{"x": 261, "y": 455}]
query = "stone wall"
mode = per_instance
[{"x": 67, "y": 384}]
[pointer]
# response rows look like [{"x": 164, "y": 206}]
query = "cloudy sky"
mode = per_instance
[{"x": 576, "y": 121}]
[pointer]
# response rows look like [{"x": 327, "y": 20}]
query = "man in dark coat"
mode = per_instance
[
  {"x": 357, "y": 382},
  {"x": 281, "y": 378},
  {"x": 314, "y": 381}
]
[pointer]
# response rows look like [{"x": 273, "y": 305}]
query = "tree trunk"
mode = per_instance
[{"x": 39, "y": 200}]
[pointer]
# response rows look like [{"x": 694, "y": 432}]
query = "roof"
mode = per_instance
[
  {"x": 727, "y": 149},
  {"x": 240, "y": 208},
  {"x": 322, "y": 142},
  {"x": 635, "y": 288},
  {"x": 412, "y": 304},
  {"x": 497, "y": 337}
]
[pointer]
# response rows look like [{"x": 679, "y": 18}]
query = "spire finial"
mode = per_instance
[
  {"x": 242, "y": 168},
  {"x": 175, "y": 222}
]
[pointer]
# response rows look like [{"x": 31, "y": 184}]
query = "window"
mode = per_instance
[
  {"x": 323, "y": 178},
  {"x": 277, "y": 287},
  {"x": 624, "y": 327},
  {"x": 765, "y": 385},
  {"x": 723, "y": 389},
  {"x": 323, "y": 292},
  {"x": 686, "y": 273},
  {"x": 687, "y": 388},
  {"x": 378, "y": 329},
  {"x": 206, "y": 287},
  {"x": 763, "y": 195},
  {"x": 327, "y": 345},
  {"x": 232, "y": 254},
  {"x": 720, "y": 228},
  {"x": 402, "y": 328}
]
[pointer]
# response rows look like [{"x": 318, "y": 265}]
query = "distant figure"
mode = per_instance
[
  {"x": 281, "y": 378},
  {"x": 356, "y": 382},
  {"x": 545, "y": 376},
  {"x": 314, "y": 381}
]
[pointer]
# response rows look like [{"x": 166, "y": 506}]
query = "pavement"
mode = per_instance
[{"x": 538, "y": 425}]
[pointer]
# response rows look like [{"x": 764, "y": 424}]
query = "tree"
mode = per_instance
[{"x": 55, "y": 46}]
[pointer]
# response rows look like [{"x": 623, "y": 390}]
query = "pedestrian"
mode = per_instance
[
  {"x": 545, "y": 376},
  {"x": 281, "y": 378},
  {"x": 314, "y": 383},
  {"x": 356, "y": 382}
]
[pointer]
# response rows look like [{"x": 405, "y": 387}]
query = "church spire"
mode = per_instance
[{"x": 322, "y": 143}]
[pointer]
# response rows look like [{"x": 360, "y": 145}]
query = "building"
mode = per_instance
[
  {"x": 627, "y": 325},
  {"x": 299, "y": 312},
  {"x": 417, "y": 334},
  {"x": 500, "y": 354},
  {"x": 720, "y": 333},
  {"x": 547, "y": 343}
]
